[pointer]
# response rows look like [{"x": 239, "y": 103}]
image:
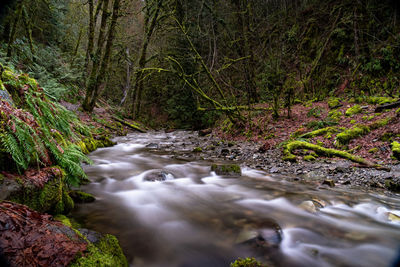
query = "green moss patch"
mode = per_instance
[
  {"x": 247, "y": 262},
  {"x": 379, "y": 100},
  {"x": 333, "y": 102},
  {"x": 396, "y": 150},
  {"x": 105, "y": 252},
  {"x": 226, "y": 169},
  {"x": 345, "y": 137},
  {"x": 353, "y": 110},
  {"x": 52, "y": 197}
]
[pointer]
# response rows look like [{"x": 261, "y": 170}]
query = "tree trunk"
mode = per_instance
[
  {"x": 93, "y": 78},
  {"x": 107, "y": 54},
  {"x": 128, "y": 77},
  {"x": 90, "y": 37},
  {"x": 11, "y": 38},
  {"x": 138, "y": 86}
]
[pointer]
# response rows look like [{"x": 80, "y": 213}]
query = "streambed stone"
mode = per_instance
[
  {"x": 226, "y": 169},
  {"x": 158, "y": 175}
]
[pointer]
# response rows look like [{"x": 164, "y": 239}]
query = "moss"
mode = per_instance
[
  {"x": 226, "y": 169},
  {"x": 396, "y": 150},
  {"x": 333, "y": 102},
  {"x": 380, "y": 123},
  {"x": 353, "y": 110},
  {"x": 197, "y": 150},
  {"x": 346, "y": 136},
  {"x": 105, "y": 252},
  {"x": 64, "y": 219},
  {"x": 319, "y": 132},
  {"x": 335, "y": 115},
  {"x": 392, "y": 185},
  {"x": 322, "y": 151},
  {"x": 90, "y": 144},
  {"x": 309, "y": 158},
  {"x": 247, "y": 262},
  {"x": 52, "y": 198},
  {"x": 373, "y": 150},
  {"x": 81, "y": 197},
  {"x": 380, "y": 100},
  {"x": 8, "y": 76}
]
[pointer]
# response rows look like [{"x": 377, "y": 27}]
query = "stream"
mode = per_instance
[{"x": 167, "y": 210}]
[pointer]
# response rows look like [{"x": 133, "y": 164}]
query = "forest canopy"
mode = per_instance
[{"x": 185, "y": 63}]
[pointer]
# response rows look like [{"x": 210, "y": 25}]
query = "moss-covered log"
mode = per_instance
[
  {"x": 322, "y": 151},
  {"x": 319, "y": 132},
  {"x": 134, "y": 125}
]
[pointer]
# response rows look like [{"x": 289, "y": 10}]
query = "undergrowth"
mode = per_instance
[{"x": 42, "y": 132}]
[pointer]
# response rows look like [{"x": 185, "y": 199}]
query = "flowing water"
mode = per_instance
[{"x": 197, "y": 218}]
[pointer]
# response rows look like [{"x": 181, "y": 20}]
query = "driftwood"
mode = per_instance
[{"x": 381, "y": 108}]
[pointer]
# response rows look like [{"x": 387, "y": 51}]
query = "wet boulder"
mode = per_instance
[
  {"x": 226, "y": 169},
  {"x": 152, "y": 146},
  {"x": 158, "y": 175},
  {"x": 81, "y": 197}
]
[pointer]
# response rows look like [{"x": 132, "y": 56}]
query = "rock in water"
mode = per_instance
[
  {"x": 158, "y": 175},
  {"x": 226, "y": 169},
  {"x": 152, "y": 145}
]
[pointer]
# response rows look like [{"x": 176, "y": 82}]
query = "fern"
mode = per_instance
[{"x": 14, "y": 149}]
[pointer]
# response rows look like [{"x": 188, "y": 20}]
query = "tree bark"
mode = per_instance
[
  {"x": 107, "y": 54},
  {"x": 93, "y": 78},
  {"x": 138, "y": 86},
  {"x": 11, "y": 38}
]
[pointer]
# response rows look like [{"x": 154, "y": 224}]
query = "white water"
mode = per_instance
[{"x": 196, "y": 218}]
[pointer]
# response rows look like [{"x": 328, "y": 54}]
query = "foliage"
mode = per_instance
[{"x": 36, "y": 137}]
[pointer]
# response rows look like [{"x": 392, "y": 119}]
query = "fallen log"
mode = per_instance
[
  {"x": 382, "y": 107},
  {"x": 130, "y": 125}
]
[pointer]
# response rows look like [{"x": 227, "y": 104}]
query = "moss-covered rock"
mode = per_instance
[
  {"x": 396, "y": 150},
  {"x": 345, "y": 137},
  {"x": 106, "y": 251},
  {"x": 353, "y": 110},
  {"x": 90, "y": 144},
  {"x": 81, "y": 197},
  {"x": 247, "y": 262},
  {"x": 102, "y": 250},
  {"x": 226, "y": 169},
  {"x": 50, "y": 197},
  {"x": 392, "y": 185}
]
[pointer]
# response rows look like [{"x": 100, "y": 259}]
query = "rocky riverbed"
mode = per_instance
[{"x": 324, "y": 171}]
